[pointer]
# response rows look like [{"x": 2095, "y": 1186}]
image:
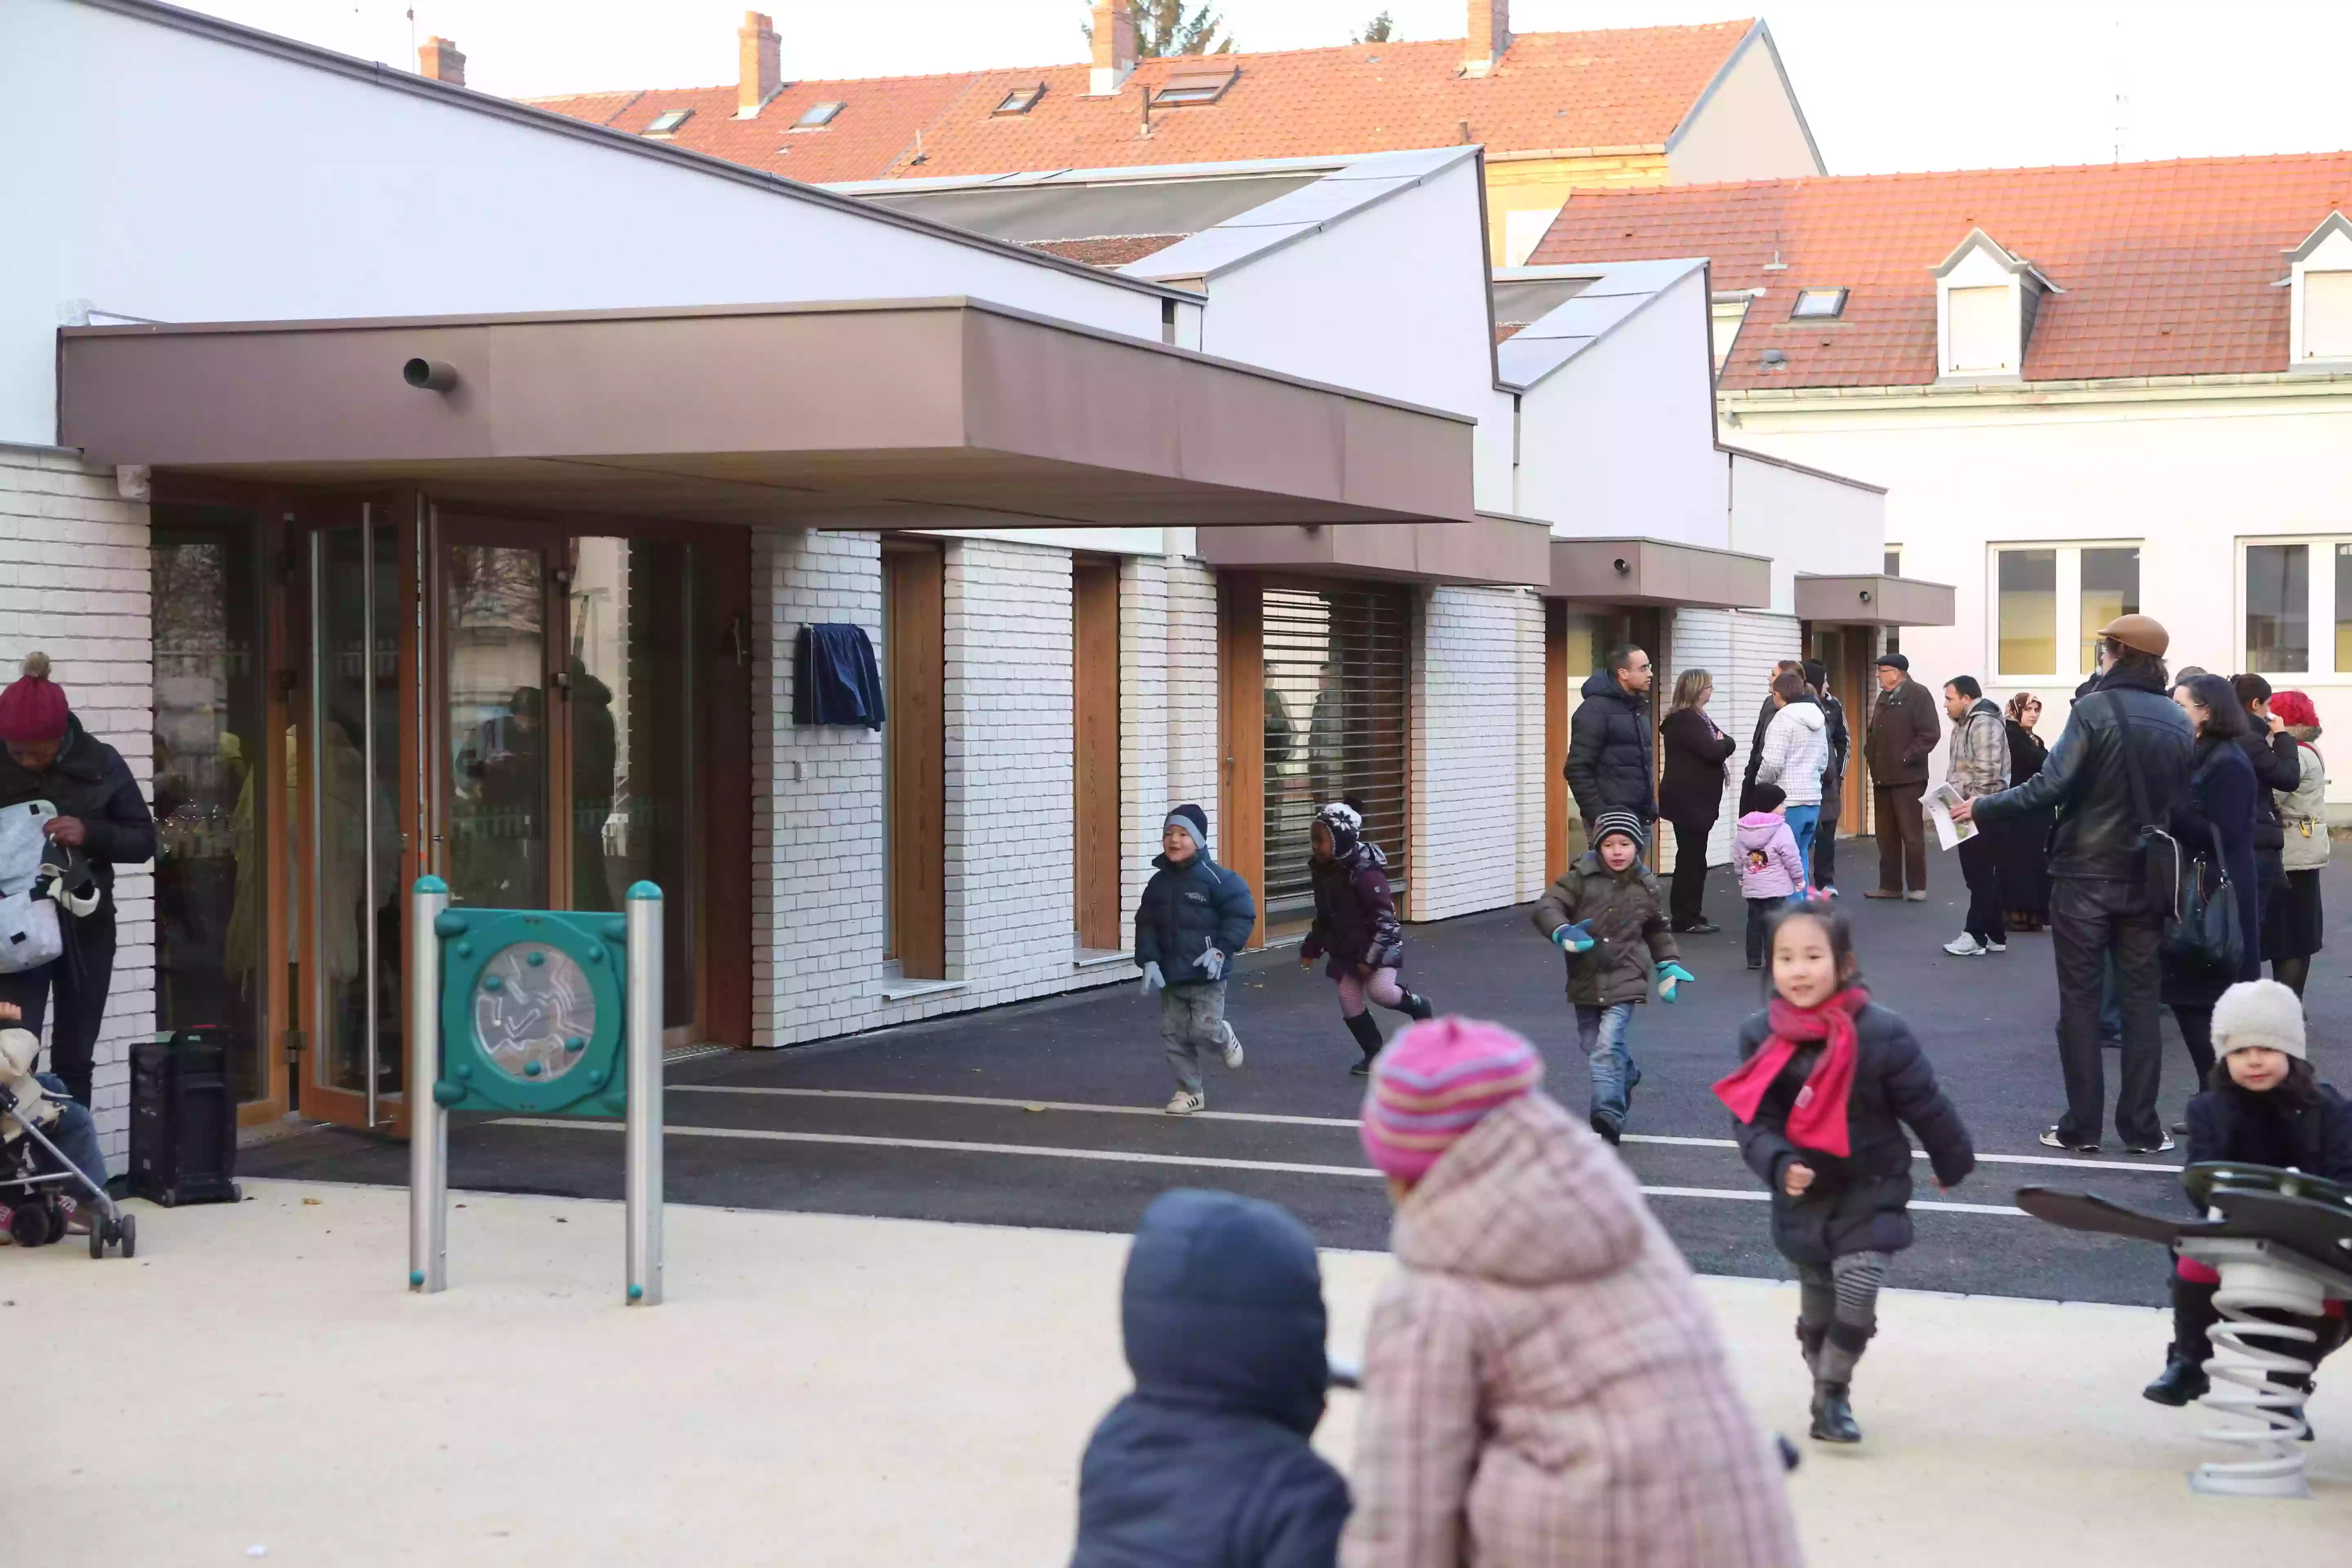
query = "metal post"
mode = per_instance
[
  {"x": 644, "y": 1045},
  {"x": 429, "y": 1123},
  {"x": 373, "y": 971}
]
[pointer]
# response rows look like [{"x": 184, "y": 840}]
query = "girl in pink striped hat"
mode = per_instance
[{"x": 1542, "y": 1382}]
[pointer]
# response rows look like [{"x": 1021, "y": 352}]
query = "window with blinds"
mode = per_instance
[{"x": 1337, "y": 682}]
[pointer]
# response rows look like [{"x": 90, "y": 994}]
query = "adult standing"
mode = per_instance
[
  {"x": 1817, "y": 677},
  {"x": 101, "y": 813},
  {"x": 2292, "y": 920},
  {"x": 1978, "y": 766},
  {"x": 2225, "y": 801},
  {"x": 2022, "y": 851},
  {"x": 1796, "y": 755},
  {"x": 1611, "y": 758},
  {"x": 2122, "y": 730},
  {"x": 2277, "y": 769},
  {"x": 1764, "y": 722},
  {"x": 1903, "y": 736},
  {"x": 1691, "y": 794}
]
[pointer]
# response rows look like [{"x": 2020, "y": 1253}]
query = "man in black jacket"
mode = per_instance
[
  {"x": 2098, "y": 888},
  {"x": 1611, "y": 765},
  {"x": 1817, "y": 676},
  {"x": 101, "y": 813}
]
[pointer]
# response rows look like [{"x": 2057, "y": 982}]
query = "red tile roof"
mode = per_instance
[
  {"x": 1109, "y": 250},
  {"x": 2167, "y": 268},
  {"x": 1620, "y": 88}
]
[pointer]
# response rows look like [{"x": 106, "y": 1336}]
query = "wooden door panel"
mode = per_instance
[
  {"x": 1094, "y": 682},
  {"x": 1241, "y": 735},
  {"x": 915, "y": 583}
]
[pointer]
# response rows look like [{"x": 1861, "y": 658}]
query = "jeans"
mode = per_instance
[
  {"x": 1192, "y": 1016},
  {"x": 1902, "y": 836},
  {"x": 1802, "y": 820},
  {"x": 79, "y": 982},
  {"x": 2091, "y": 918},
  {"x": 1601, "y": 1032},
  {"x": 1686, "y": 897},
  {"x": 1981, "y": 868},
  {"x": 75, "y": 1132}
]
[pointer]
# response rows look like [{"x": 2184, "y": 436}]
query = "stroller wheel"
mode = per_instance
[
  {"x": 97, "y": 1239},
  {"x": 126, "y": 1233}
]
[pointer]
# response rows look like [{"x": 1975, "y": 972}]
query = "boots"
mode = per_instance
[
  {"x": 1833, "y": 1364},
  {"x": 1808, "y": 1341},
  {"x": 1368, "y": 1037},
  {"x": 2181, "y": 1381},
  {"x": 1416, "y": 1008},
  {"x": 1833, "y": 1416}
]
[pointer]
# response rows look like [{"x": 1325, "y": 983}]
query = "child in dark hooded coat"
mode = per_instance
[
  {"x": 1207, "y": 1464},
  {"x": 1355, "y": 926}
]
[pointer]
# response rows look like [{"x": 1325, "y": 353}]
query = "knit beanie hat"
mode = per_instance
[
  {"x": 1434, "y": 1083},
  {"x": 1623, "y": 821},
  {"x": 33, "y": 707},
  {"x": 2259, "y": 1013},
  {"x": 1345, "y": 824},
  {"x": 1192, "y": 820}
]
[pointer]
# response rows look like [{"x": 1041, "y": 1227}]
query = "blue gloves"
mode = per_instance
[
  {"x": 1670, "y": 976},
  {"x": 1152, "y": 979},
  {"x": 1576, "y": 938},
  {"x": 1212, "y": 963}
]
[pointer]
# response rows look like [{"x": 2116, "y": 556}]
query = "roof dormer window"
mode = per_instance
[
  {"x": 817, "y": 116},
  {"x": 2319, "y": 274},
  {"x": 1193, "y": 87},
  {"x": 1986, "y": 303},
  {"x": 1818, "y": 305},
  {"x": 667, "y": 122},
  {"x": 1021, "y": 100}
]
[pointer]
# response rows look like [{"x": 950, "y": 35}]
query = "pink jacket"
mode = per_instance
[
  {"x": 1766, "y": 853},
  {"x": 1543, "y": 1385}
]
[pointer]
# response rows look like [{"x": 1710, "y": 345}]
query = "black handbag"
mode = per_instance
[
  {"x": 2206, "y": 941},
  {"x": 2158, "y": 851}
]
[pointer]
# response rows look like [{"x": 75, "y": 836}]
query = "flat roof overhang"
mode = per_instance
[
  {"x": 1489, "y": 551},
  {"x": 760, "y": 414},
  {"x": 1874, "y": 599},
  {"x": 1659, "y": 572}
]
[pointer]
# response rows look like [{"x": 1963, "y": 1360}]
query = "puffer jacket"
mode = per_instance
[
  {"x": 1187, "y": 910},
  {"x": 88, "y": 780},
  {"x": 1860, "y": 1203},
  {"x": 1764, "y": 847},
  {"x": 1355, "y": 913},
  {"x": 1796, "y": 752},
  {"x": 1207, "y": 1464},
  {"x": 2085, "y": 780},
  {"x": 1609, "y": 760},
  {"x": 2225, "y": 1122},
  {"x": 1630, "y": 934},
  {"x": 1978, "y": 762},
  {"x": 1543, "y": 1384},
  {"x": 2303, "y": 813},
  {"x": 2277, "y": 771}
]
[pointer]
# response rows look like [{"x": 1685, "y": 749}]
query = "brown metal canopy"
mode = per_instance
[
  {"x": 1659, "y": 572},
  {"x": 1874, "y": 599},
  {"x": 889, "y": 410},
  {"x": 1492, "y": 550}
]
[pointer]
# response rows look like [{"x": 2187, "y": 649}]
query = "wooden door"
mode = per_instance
[
  {"x": 1094, "y": 642},
  {"x": 1241, "y": 735},
  {"x": 914, "y": 616}
]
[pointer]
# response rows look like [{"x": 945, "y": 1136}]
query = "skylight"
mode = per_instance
[
  {"x": 668, "y": 120},
  {"x": 1818, "y": 305},
  {"x": 1021, "y": 100},
  {"x": 1194, "y": 86},
  {"x": 817, "y": 116}
]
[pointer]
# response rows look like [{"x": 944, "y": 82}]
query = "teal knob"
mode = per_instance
[
  {"x": 531, "y": 1069},
  {"x": 428, "y": 883},
  {"x": 596, "y": 1078},
  {"x": 493, "y": 982},
  {"x": 416, "y": 1279},
  {"x": 536, "y": 959},
  {"x": 595, "y": 955},
  {"x": 449, "y": 923},
  {"x": 446, "y": 1094},
  {"x": 465, "y": 950},
  {"x": 637, "y": 1292},
  {"x": 466, "y": 1069},
  {"x": 575, "y": 1044}
]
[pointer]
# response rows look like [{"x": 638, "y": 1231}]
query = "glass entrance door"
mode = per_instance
[{"x": 497, "y": 741}]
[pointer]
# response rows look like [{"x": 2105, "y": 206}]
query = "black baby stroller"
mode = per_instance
[{"x": 34, "y": 1177}]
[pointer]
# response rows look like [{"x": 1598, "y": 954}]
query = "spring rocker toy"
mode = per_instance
[{"x": 2281, "y": 1242}]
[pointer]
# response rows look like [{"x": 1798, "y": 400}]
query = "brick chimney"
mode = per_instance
[
  {"x": 1490, "y": 35},
  {"x": 439, "y": 59},
  {"x": 760, "y": 62},
  {"x": 1114, "y": 46}
]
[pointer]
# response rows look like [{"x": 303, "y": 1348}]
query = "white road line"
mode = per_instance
[
  {"x": 1124, "y": 1157},
  {"x": 1346, "y": 1121}
]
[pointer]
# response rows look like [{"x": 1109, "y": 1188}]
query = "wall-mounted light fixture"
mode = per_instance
[{"x": 429, "y": 374}]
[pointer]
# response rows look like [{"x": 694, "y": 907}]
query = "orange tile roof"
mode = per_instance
[
  {"x": 2167, "y": 268},
  {"x": 1620, "y": 88}
]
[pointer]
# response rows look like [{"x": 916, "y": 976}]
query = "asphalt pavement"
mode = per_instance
[{"x": 1047, "y": 1113}]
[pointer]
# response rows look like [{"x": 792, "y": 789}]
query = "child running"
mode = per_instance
[
  {"x": 1355, "y": 924},
  {"x": 1606, "y": 915},
  {"x": 1194, "y": 915},
  {"x": 1828, "y": 1083},
  {"x": 2264, "y": 1107},
  {"x": 1771, "y": 868},
  {"x": 1543, "y": 1384}
]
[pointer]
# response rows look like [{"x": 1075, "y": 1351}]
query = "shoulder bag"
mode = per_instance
[
  {"x": 2208, "y": 940},
  {"x": 2158, "y": 852}
]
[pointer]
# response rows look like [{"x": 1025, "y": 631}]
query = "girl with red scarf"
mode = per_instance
[{"x": 1827, "y": 1083}]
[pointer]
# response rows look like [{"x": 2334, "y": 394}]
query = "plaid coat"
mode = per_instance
[
  {"x": 1543, "y": 1386},
  {"x": 1980, "y": 752}
]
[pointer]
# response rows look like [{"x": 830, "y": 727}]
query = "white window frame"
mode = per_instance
[
  {"x": 2320, "y": 609},
  {"x": 1979, "y": 262},
  {"x": 2069, "y": 630},
  {"x": 2327, "y": 251}
]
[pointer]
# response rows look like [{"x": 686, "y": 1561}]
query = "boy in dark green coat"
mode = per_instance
[{"x": 1607, "y": 915}]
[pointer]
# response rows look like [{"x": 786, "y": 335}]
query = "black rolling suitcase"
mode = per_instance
[{"x": 183, "y": 1120}]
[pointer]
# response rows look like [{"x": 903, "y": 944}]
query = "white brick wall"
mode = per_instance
[
  {"x": 1195, "y": 769},
  {"x": 74, "y": 583},
  {"x": 1471, "y": 781},
  {"x": 1701, "y": 639}
]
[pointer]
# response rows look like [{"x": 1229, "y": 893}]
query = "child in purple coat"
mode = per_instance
[
  {"x": 1772, "y": 867},
  {"x": 1355, "y": 926}
]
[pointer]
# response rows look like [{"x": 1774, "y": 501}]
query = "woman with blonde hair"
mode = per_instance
[{"x": 1691, "y": 795}]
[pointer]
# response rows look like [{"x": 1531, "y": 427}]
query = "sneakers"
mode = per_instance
[
  {"x": 1607, "y": 1128},
  {"x": 1915, "y": 896},
  {"x": 1996, "y": 947},
  {"x": 1965, "y": 946},
  {"x": 2050, "y": 1139},
  {"x": 2163, "y": 1147},
  {"x": 1233, "y": 1050},
  {"x": 1697, "y": 928},
  {"x": 1183, "y": 1102}
]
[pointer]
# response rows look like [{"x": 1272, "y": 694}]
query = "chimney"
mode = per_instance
[
  {"x": 439, "y": 59},
  {"x": 1490, "y": 35},
  {"x": 1114, "y": 46},
  {"x": 759, "y": 63}
]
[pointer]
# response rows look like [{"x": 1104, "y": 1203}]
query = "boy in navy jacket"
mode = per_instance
[{"x": 1193, "y": 917}]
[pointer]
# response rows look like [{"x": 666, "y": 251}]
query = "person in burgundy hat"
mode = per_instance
[{"x": 101, "y": 813}]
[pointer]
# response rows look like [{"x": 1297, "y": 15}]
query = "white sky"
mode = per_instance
[{"x": 1886, "y": 84}]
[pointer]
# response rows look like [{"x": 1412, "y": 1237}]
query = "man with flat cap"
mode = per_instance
[
  {"x": 1902, "y": 737},
  {"x": 2120, "y": 768}
]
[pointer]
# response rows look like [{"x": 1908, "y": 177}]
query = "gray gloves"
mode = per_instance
[
  {"x": 1212, "y": 963},
  {"x": 1152, "y": 979}
]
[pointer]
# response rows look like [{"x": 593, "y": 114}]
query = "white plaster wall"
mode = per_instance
[
  {"x": 75, "y": 583},
  {"x": 2186, "y": 480},
  {"x": 1804, "y": 522},
  {"x": 1749, "y": 128},
  {"x": 1472, "y": 782},
  {"x": 177, "y": 179}
]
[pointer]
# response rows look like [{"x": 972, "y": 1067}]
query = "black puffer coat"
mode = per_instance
[
  {"x": 1630, "y": 934},
  {"x": 90, "y": 780},
  {"x": 1187, "y": 910},
  {"x": 1355, "y": 913},
  {"x": 1610, "y": 765},
  {"x": 2227, "y": 1122},
  {"x": 1860, "y": 1203}
]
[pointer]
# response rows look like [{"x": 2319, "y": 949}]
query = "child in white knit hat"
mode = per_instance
[{"x": 2263, "y": 1106}]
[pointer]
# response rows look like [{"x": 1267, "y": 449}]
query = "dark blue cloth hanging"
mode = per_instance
[{"x": 836, "y": 680}]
